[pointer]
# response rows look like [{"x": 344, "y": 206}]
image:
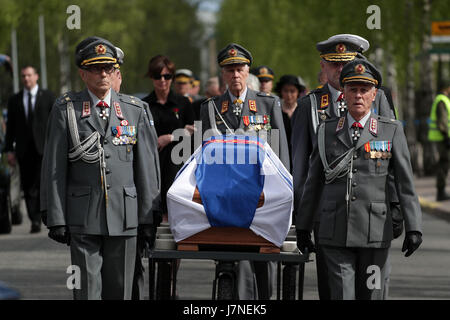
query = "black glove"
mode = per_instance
[
  {"x": 304, "y": 241},
  {"x": 147, "y": 235},
  {"x": 59, "y": 234},
  {"x": 397, "y": 220},
  {"x": 412, "y": 241}
]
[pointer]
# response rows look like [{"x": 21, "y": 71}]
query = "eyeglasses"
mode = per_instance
[
  {"x": 167, "y": 76},
  {"x": 98, "y": 68}
]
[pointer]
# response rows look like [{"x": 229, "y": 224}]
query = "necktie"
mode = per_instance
[
  {"x": 237, "y": 107},
  {"x": 356, "y": 126},
  {"x": 104, "y": 111},
  {"x": 30, "y": 108}
]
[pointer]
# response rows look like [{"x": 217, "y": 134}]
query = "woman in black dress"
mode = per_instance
[
  {"x": 170, "y": 112},
  {"x": 288, "y": 88}
]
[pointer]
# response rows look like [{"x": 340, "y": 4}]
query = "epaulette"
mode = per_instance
[
  {"x": 386, "y": 119},
  {"x": 66, "y": 97},
  {"x": 264, "y": 94},
  {"x": 316, "y": 90},
  {"x": 207, "y": 100},
  {"x": 130, "y": 100}
]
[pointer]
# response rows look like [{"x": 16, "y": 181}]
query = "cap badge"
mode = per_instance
[
  {"x": 340, "y": 48},
  {"x": 232, "y": 52},
  {"x": 359, "y": 69},
  {"x": 264, "y": 71},
  {"x": 100, "y": 49}
]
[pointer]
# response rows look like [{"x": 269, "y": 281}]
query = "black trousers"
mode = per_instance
[
  {"x": 30, "y": 179},
  {"x": 321, "y": 267}
]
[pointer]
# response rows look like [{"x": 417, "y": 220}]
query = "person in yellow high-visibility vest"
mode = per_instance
[{"x": 439, "y": 133}]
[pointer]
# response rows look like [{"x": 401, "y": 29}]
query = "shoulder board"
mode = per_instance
[
  {"x": 207, "y": 100},
  {"x": 66, "y": 97},
  {"x": 266, "y": 95},
  {"x": 130, "y": 100},
  {"x": 317, "y": 90},
  {"x": 386, "y": 119}
]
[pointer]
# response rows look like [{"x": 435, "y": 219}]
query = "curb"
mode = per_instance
[{"x": 435, "y": 209}]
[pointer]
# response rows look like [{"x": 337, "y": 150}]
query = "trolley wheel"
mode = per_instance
[
  {"x": 225, "y": 287},
  {"x": 289, "y": 282},
  {"x": 163, "y": 281}
]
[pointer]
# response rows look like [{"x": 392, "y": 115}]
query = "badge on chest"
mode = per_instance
[
  {"x": 257, "y": 122},
  {"x": 378, "y": 149},
  {"x": 124, "y": 135}
]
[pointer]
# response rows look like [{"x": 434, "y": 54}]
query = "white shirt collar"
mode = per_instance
[
  {"x": 96, "y": 100},
  {"x": 33, "y": 91},
  {"x": 334, "y": 93},
  {"x": 362, "y": 121},
  {"x": 242, "y": 96}
]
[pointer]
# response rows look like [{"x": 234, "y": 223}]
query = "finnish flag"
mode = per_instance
[{"x": 232, "y": 181}]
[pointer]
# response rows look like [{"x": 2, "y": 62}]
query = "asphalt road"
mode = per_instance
[{"x": 36, "y": 267}]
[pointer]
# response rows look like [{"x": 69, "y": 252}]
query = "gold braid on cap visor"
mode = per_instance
[
  {"x": 349, "y": 56},
  {"x": 98, "y": 60},
  {"x": 267, "y": 75},
  {"x": 359, "y": 78},
  {"x": 235, "y": 60}
]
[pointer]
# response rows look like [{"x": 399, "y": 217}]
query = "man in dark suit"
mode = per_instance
[{"x": 28, "y": 112}]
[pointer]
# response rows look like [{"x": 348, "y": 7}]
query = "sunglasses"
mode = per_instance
[
  {"x": 167, "y": 76},
  {"x": 97, "y": 69}
]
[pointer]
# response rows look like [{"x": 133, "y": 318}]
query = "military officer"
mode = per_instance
[
  {"x": 248, "y": 112},
  {"x": 243, "y": 109},
  {"x": 138, "y": 292},
  {"x": 327, "y": 102},
  {"x": 265, "y": 76},
  {"x": 99, "y": 181},
  {"x": 347, "y": 184}
]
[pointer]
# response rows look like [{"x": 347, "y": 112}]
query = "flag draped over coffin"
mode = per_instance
[{"x": 232, "y": 181}]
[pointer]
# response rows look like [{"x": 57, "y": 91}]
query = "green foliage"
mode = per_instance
[
  {"x": 283, "y": 34},
  {"x": 141, "y": 28}
]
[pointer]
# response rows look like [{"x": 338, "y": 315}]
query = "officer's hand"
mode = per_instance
[
  {"x": 304, "y": 241},
  {"x": 59, "y": 234},
  {"x": 147, "y": 234},
  {"x": 397, "y": 220},
  {"x": 412, "y": 241}
]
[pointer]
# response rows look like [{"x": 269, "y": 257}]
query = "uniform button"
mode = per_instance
[
  {"x": 105, "y": 142},
  {"x": 354, "y": 183},
  {"x": 108, "y": 171},
  {"x": 354, "y": 170},
  {"x": 355, "y": 156},
  {"x": 353, "y": 198},
  {"x": 108, "y": 186},
  {"x": 107, "y": 156}
]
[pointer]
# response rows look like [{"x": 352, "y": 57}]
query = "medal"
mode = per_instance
[
  {"x": 372, "y": 154},
  {"x": 116, "y": 141},
  {"x": 124, "y": 123},
  {"x": 378, "y": 154}
]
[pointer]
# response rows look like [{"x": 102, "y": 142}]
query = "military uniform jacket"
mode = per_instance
[
  {"x": 304, "y": 135},
  {"x": 73, "y": 193},
  {"x": 367, "y": 222},
  {"x": 258, "y": 107}
]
